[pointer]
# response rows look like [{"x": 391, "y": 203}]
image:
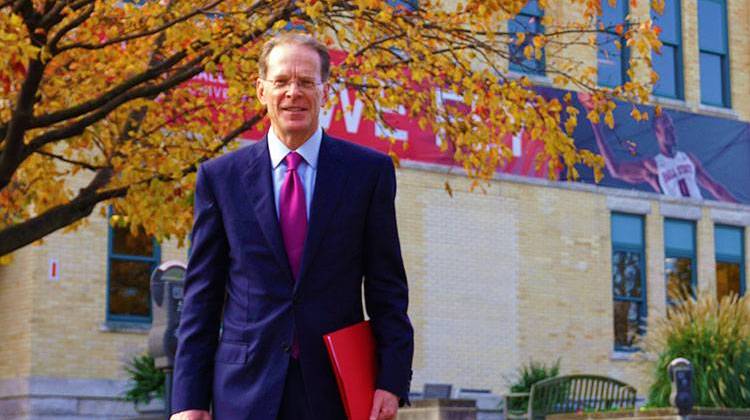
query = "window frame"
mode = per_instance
[
  {"x": 643, "y": 300},
  {"x": 678, "y": 60},
  {"x": 624, "y": 50},
  {"x": 540, "y": 66},
  {"x": 726, "y": 92},
  {"x": 155, "y": 260},
  {"x": 731, "y": 259},
  {"x": 679, "y": 253}
]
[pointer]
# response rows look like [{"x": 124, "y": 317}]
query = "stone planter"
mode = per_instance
[
  {"x": 660, "y": 414},
  {"x": 154, "y": 407},
  {"x": 439, "y": 409}
]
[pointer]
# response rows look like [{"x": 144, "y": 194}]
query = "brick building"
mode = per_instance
[{"x": 531, "y": 269}]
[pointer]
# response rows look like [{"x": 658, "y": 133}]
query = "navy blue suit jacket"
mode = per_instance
[{"x": 239, "y": 277}]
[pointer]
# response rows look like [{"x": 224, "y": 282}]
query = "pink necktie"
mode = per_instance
[
  {"x": 293, "y": 220},
  {"x": 293, "y": 212}
]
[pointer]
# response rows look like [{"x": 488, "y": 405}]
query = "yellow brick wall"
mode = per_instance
[
  {"x": 564, "y": 277},
  {"x": 655, "y": 282},
  {"x": 67, "y": 341},
  {"x": 68, "y": 338},
  {"x": 460, "y": 254},
  {"x": 496, "y": 279},
  {"x": 691, "y": 63},
  {"x": 576, "y": 56},
  {"x": 529, "y": 264},
  {"x": 739, "y": 55},
  {"x": 704, "y": 238},
  {"x": 738, "y": 11},
  {"x": 519, "y": 272},
  {"x": 16, "y": 311}
]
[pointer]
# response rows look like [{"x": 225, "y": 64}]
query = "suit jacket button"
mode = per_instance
[{"x": 287, "y": 348}]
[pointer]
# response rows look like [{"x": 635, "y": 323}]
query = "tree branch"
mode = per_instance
[
  {"x": 22, "y": 234},
  {"x": 12, "y": 154},
  {"x": 25, "y": 233},
  {"x": 52, "y": 14},
  {"x": 70, "y": 161},
  {"x": 137, "y": 35},
  {"x": 186, "y": 73},
  {"x": 70, "y": 26},
  {"x": 19, "y": 235},
  {"x": 90, "y": 105}
]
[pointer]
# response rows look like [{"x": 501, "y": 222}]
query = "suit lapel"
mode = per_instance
[
  {"x": 329, "y": 185},
  {"x": 259, "y": 185}
]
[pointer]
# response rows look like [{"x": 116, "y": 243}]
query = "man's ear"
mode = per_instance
[
  {"x": 260, "y": 90},
  {"x": 326, "y": 92}
]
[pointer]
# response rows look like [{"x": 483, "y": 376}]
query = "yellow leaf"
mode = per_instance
[{"x": 609, "y": 119}]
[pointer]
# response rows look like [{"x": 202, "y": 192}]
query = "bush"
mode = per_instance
[
  {"x": 146, "y": 381},
  {"x": 527, "y": 375},
  {"x": 715, "y": 337}
]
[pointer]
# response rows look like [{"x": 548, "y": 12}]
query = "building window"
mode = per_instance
[
  {"x": 529, "y": 23},
  {"x": 628, "y": 279},
  {"x": 131, "y": 260},
  {"x": 730, "y": 260},
  {"x": 679, "y": 264},
  {"x": 668, "y": 64},
  {"x": 404, "y": 5},
  {"x": 714, "y": 52},
  {"x": 612, "y": 54}
]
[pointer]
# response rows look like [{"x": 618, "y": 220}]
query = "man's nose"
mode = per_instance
[{"x": 293, "y": 88}]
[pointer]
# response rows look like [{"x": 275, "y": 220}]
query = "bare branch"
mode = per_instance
[{"x": 84, "y": 165}]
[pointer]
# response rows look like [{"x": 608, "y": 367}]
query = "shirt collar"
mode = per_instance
[{"x": 309, "y": 149}]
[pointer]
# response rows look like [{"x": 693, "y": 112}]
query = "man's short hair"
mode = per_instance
[
  {"x": 290, "y": 38},
  {"x": 662, "y": 119}
]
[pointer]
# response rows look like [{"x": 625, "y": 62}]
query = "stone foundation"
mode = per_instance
[{"x": 40, "y": 398}]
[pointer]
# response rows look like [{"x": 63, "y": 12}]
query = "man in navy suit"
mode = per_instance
[{"x": 286, "y": 233}]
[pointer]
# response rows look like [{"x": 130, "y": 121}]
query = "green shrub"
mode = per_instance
[
  {"x": 146, "y": 381},
  {"x": 527, "y": 375},
  {"x": 715, "y": 337}
]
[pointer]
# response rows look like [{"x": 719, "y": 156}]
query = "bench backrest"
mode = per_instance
[
  {"x": 436, "y": 391},
  {"x": 573, "y": 393}
]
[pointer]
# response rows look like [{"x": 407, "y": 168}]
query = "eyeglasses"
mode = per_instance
[{"x": 283, "y": 84}]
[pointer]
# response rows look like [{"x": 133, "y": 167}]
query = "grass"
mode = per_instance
[
  {"x": 715, "y": 337},
  {"x": 526, "y": 376}
]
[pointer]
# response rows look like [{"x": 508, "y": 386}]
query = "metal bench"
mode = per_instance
[
  {"x": 436, "y": 391},
  {"x": 570, "y": 394}
]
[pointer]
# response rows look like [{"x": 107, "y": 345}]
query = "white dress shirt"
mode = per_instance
[{"x": 307, "y": 169}]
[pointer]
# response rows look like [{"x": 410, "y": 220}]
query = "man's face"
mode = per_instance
[
  {"x": 292, "y": 92},
  {"x": 664, "y": 132}
]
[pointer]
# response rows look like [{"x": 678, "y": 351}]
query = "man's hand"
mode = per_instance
[
  {"x": 191, "y": 415},
  {"x": 384, "y": 406}
]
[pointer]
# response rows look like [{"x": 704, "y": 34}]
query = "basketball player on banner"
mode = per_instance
[{"x": 671, "y": 172}]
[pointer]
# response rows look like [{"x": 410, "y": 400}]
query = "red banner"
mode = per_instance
[{"x": 345, "y": 120}]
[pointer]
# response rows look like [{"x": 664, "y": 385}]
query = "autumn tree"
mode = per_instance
[{"x": 97, "y": 104}]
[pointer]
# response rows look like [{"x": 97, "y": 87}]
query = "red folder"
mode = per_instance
[{"x": 352, "y": 353}]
